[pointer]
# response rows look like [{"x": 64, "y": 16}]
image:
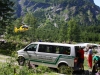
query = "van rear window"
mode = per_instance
[{"x": 54, "y": 49}]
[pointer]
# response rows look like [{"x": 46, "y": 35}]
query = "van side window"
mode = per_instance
[
  {"x": 47, "y": 48},
  {"x": 31, "y": 47},
  {"x": 54, "y": 49},
  {"x": 64, "y": 50},
  {"x": 42, "y": 48}
]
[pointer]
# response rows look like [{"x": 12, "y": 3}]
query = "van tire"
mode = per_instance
[{"x": 21, "y": 61}]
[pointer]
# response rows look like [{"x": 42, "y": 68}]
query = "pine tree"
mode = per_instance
[
  {"x": 73, "y": 31},
  {"x": 6, "y": 12}
]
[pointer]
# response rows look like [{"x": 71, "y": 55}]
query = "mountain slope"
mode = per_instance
[{"x": 84, "y": 11}]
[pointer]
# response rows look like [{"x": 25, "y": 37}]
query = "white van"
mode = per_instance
[{"x": 53, "y": 55}]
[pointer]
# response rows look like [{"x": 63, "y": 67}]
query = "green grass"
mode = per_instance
[
  {"x": 86, "y": 64},
  {"x": 86, "y": 67}
]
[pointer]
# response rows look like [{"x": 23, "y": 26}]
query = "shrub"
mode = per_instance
[
  {"x": 9, "y": 47},
  {"x": 10, "y": 68},
  {"x": 66, "y": 70}
]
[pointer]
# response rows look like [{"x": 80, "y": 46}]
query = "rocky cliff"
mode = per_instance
[{"x": 84, "y": 11}]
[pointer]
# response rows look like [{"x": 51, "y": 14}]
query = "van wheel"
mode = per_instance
[
  {"x": 64, "y": 69},
  {"x": 21, "y": 61}
]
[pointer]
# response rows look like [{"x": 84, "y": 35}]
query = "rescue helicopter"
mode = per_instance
[{"x": 22, "y": 28}]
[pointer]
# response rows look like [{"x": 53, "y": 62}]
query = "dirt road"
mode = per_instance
[{"x": 4, "y": 58}]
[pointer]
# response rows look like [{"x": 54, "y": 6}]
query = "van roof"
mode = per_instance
[
  {"x": 86, "y": 44},
  {"x": 54, "y": 43}
]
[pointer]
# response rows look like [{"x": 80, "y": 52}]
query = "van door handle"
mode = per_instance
[
  {"x": 49, "y": 58},
  {"x": 41, "y": 57}
]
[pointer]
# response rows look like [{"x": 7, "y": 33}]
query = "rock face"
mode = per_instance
[{"x": 85, "y": 11}]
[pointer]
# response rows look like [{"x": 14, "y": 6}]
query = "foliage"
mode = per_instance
[
  {"x": 6, "y": 12},
  {"x": 29, "y": 35},
  {"x": 11, "y": 46},
  {"x": 63, "y": 33},
  {"x": 90, "y": 34},
  {"x": 31, "y": 21},
  {"x": 10, "y": 68},
  {"x": 73, "y": 31},
  {"x": 66, "y": 70}
]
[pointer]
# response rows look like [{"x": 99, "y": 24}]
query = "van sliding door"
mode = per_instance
[{"x": 46, "y": 54}]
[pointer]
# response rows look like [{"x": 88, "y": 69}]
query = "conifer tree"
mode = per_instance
[
  {"x": 73, "y": 31},
  {"x": 6, "y": 11}
]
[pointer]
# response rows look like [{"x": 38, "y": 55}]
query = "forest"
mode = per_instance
[
  {"x": 62, "y": 32},
  {"x": 42, "y": 29}
]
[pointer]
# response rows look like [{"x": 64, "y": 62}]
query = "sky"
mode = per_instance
[{"x": 97, "y": 2}]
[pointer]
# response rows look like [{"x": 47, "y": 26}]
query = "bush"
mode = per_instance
[
  {"x": 66, "y": 70},
  {"x": 9, "y": 47},
  {"x": 10, "y": 68}
]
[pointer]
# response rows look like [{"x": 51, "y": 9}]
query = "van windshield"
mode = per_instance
[{"x": 31, "y": 47}]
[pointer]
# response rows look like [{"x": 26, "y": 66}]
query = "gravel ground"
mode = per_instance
[{"x": 4, "y": 58}]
